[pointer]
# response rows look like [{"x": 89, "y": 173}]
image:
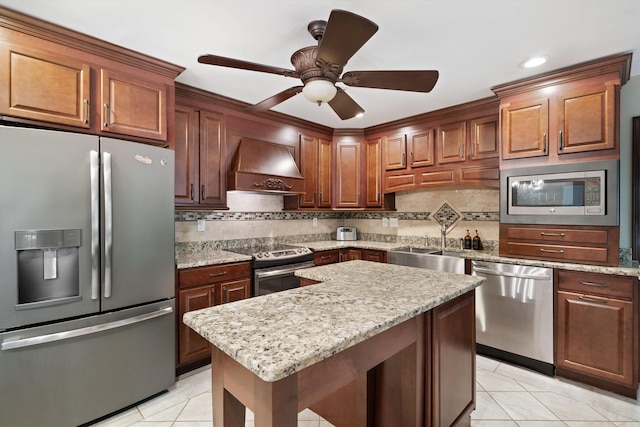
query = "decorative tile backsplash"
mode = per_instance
[{"x": 447, "y": 216}]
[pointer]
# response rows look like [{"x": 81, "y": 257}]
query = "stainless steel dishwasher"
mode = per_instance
[{"x": 514, "y": 314}]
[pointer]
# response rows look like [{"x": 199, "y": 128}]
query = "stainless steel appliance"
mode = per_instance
[
  {"x": 346, "y": 233},
  {"x": 86, "y": 275},
  {"x": 273, "y": 267},
  {"x": 574, "y": 194},
  {"x": 514, "y": 314}
]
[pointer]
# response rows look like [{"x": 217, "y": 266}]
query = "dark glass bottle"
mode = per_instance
[
  {"x": 467, "y": 241},
  {"x": 476, "y": 243}
]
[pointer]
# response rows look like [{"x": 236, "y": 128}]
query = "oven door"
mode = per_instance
[{"x": 276, "y": 279}]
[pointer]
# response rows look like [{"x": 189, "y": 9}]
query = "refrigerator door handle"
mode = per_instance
[
  {"x": 42, "y": 339},
  {"x": 108, "y": 222},
  {"x": 95, "y": 224}
]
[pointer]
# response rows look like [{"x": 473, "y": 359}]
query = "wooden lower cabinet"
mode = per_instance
[
  {"x": 597, "y": 329},
  {"x": 326, "y": 257},
  {"x": 202, "y": 287},
  {"x": 430, "y": 383},
  {"x": 348, "y": 254}
]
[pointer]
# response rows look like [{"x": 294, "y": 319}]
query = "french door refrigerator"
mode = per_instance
[{"x": 86, "y": 275}]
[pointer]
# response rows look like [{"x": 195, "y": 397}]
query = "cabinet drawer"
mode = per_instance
[
  {"x": 579, "y": 254},
  {"x": 596, "y": 284},
  {"x": 558, "y": 235},
  {"x": 326, "y": 257},
  {"x": 213, "y": 274}
]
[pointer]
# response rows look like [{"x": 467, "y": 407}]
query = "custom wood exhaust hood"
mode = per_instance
[{"x": 264, "y": 167}]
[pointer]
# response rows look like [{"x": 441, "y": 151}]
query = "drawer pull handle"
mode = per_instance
[
  {"x": 326, "y": 257},
  {"x": 217, "y": 274},
  {"x": 552, "y": 234},
  {"x": 595, "y": 285},
  {"x": 552, "y": 251},
  {"x": 224, "y": 295},
  {"x": 106, "y": 115},
  {"x": 596, "y": 300}
]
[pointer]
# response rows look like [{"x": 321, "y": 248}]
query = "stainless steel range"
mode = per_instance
[{"x": 273, "y": 266}]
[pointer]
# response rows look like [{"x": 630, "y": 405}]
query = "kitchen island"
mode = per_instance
[{"x": 374, "y": 344}]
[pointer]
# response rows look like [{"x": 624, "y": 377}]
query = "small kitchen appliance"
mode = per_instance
[{"x": 346, "y": 233}]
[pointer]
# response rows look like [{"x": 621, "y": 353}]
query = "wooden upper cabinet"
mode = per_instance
[
  {"x": 55, "y": 77},
  {"x": 309, "y": 170},
  {"x": 484, "y": 138},
  {"x": 525, "y": 129},
  {"x": 421, "y": 148},
  {"x": 348, "y": 174},
  {"x": 373, "y": 173},
  {"x": 325, "y": 173},
  {"x": 40, "y": 86},
  {"x": 395, "y": 147},
  {"x": 186, "y": 152},
  {"x": 316, "y": 167},
  {"x": 201, "y": 151},
  {"x": 213, "y": 183},
  {"x": 452, "y": 143},
  {"x": 133, "y": 106},
  {"x": 586, "y": 119}
]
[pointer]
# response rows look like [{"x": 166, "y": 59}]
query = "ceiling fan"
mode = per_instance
[{"x": 320, "y": 67}]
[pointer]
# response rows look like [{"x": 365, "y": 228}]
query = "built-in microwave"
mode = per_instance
[{"x": 584, "y": 193}]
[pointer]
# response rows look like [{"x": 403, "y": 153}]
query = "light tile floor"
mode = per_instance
[{"x": 507, "y": 396}]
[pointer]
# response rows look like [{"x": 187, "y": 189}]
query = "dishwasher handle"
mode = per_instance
[{"x": 507, "y": 274}]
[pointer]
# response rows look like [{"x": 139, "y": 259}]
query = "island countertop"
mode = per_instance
[{"x": 276, "y": 335}]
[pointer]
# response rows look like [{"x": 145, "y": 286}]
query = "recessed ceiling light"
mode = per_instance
[{"x": 534, "y": 62}]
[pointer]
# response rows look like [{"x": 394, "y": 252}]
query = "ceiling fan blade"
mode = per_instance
[
  {"x": 344, "y": 105},
  {"x": 274, "y": 100},
  {"x": 245, "y": 65},
  {"x": 346, "y": 32},
  {"x": 413, "y": 81}
]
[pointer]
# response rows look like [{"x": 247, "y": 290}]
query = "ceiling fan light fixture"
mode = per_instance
[{"x": 319, "y": 91}]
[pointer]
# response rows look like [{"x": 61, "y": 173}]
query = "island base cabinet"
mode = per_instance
[{"x": 420, "y": 373}]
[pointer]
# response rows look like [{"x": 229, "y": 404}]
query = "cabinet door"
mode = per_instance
[
  {"x": 395, "y": 150},
  {"x": 325, "y": 173},
  {"x": 374, "y": 255},
  {"x": 373, "y": 173},
  {"x": 452, "y": 142},
  {"x": 326, "y": 257},
  {"x": 525, "y": 129},
  {"x": 421, "y": 149},
  {"x": 453, "y": 360},
  {"x": 213, "y": 180},
  {"x": 484, "y": 138},
  {"x": 39, "y": 86},
  {"x": 186, "y": 151},
  {"x": 192, "y": 346},
  {"x": 595, "y": 336},
  {"x": 133, "y": 106},
  {"x": 309, "y": 170},
  {"x": 235, "y": 291},
  {"x": 587, "y": 120},
  {"x": 348, "y": 175}
]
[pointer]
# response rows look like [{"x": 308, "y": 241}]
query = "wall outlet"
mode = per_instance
[
  {"x": 385, "y": 222},
  {"x": 201, "y": 225},
  {"x": 315, "y": 222},
  {"x": 393, "y": 222}
]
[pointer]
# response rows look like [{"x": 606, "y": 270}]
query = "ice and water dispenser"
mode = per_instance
[{"x": 48, "y": 266}]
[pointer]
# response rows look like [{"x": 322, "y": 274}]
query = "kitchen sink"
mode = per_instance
[
  {"x": 429, "y": 259},
  {"x": 414, "y": 250}
]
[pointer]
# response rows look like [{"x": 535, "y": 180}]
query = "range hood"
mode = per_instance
[{"x": 265, "y": 167}]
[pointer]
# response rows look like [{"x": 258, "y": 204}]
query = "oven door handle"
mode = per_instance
[{"x": 283, "y": 271}]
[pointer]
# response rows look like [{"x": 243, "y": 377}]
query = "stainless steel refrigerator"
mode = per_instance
[{"x": 86, "y": 275}]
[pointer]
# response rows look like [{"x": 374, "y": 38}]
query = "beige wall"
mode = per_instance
[{"x": 246, "y": 227}]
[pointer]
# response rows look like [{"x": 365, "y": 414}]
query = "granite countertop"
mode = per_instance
[
  {"x": 278, "y": 334},
  {"x": 204, "y": 258}
]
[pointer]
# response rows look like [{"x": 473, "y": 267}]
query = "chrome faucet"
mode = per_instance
[{"x": 443, "y": 237}]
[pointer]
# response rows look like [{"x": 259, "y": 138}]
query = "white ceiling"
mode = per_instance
[{"x": 475, "y": 44}]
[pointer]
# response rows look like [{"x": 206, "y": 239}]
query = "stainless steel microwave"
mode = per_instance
[{"x": 583, "y": 193}]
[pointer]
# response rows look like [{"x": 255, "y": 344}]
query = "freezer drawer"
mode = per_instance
[{"x": 73, "y": 372}]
